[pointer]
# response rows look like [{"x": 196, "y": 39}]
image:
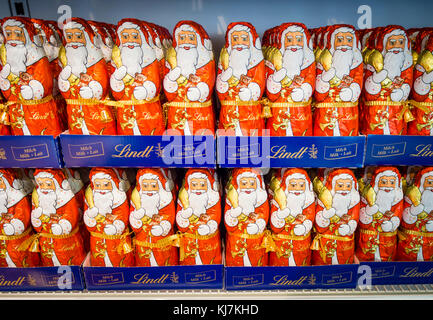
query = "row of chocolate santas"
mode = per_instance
[
  {"x": 301, "y": 82},
  {"x": 53, "y": 217}
]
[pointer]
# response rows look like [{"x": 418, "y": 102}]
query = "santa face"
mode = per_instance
[
  {"x": 295, "y": 194},
  {"x": 186, "y": 52},
  {"x": 47, "y": 195},
  {"x": 130, "y": 50},
  {"x": 386, "y": 193},
  {"x": 247, "y": 194},
  {"x": 76, "y": 51},
  {"x": 342, "y": 58},
  {"x": 103, "y": 195},
  {"x": 16, "y": 49},
  {"x": 293, "y": 55},
  {"x": 239, "y": 53},
  {"x": 394, "y": 57},
  {"x": 198, "y": 195},
  {"x": 427, "y": 194},
  {"x": 342, "y": 195},
  {"x": 149, "y": 195}
]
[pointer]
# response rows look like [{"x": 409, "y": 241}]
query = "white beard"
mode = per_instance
[
  {"x": 131, "y": 58},
  {"x": 341, "y": 203},
  {"x": 393, "y": 63},
  {"x": 47, "y": 201},
  {"x": 384, "y": 200},
  {"x": 342, "y": 61},
  {"x": 16, "y": 57},
  {"x": 77, "y": 58},
  {"x": 295, "y": 202},
  {"x": 427, "y": 200},
  {"x": 239, "y": 61},
  {"x": 248, "y": 201},
  {"x": 3, "y": 201},
  {"x": 150, "y": 203},
  {"x": 198, "y": 202},
  {"x": 104, "y": 202},
  {"x": 187, "y": 60},
  {"x": 292, "y": 61}
]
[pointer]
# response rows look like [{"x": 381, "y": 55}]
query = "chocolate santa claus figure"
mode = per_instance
[
  {"x": 84, "y": 81},
  {"x": 241, "y": 81},
  {"x": 415, "y": 235},
  {"x": 290, "y": 80},
  {"x": 27, "y": 79},
  {"x": 292, "y": 216},
  {"x": 135, "y": 82},
  {"x": 422, "y": 91},
  {"x": 152, "y": 219},
  {"x": 246, "y": 214},
  {"x": 387, "y": 82},
  {"x": 337, "y": 215},
  {"x": 189, "y": 81},
  {"x": 380, "y": 215},
  {"x": 15, "y": 227},
  {"x": 106, "y": 217},
  {"x": 55, "y": 217},
  {"x": 198, "y": 217},
  {"x": 338, "y": 83}
]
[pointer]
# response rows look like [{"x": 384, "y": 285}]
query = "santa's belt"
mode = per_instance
[
  {"x": 249, "y": 236},
  {"x": 161, "y": 243},
  {"x": 80, "y": 101},
  {"x": 375, "y": 233},
  {"x": 288, "y": 104},
  {"x": 335, "y": 104},
  {"x": 316, "y": 246},
  {"x": 15, "y": 236},
  {"x": 122, "y": 103},
  {"x": 424, "y": 106},
  {"x": 32, "y": 243},
  {"x": 403, "y": 233},
  {"x": 187, "y": 104},
  {"x": 404, "y": 113},
  {"x": 180, "y": 240},
  {"x": 123, "y": 247},
  {"x": 279, "y": 236}
]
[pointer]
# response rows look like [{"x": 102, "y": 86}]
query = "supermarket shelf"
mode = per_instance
[{"x": 424, "y": 291}]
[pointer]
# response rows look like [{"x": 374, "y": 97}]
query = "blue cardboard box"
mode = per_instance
[
  {"x": 138, "y": 151},
  {"x": 399, "y": 150},
  {"x": 280, "y": 152},
  {"x": 281, "y": 278},
  {"x": 30, "y": 152},
  {"x": 42, "y": 279}
]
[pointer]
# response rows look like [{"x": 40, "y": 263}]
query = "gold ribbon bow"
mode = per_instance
[
  {"x": 32, "y": 244},
  {"x": 124, "y": 245}
]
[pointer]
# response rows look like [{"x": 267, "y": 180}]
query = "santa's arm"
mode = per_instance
[
  {"x": 323, "y": 216},
  {"x": 423, "y": 81},
  {"x": 68, "y": 218},
  {"x": 182, "y": 217},
  {"x": 97, "y": 87},
  {"x": 255, "y": 88},
  {"x": 353, "y": 91},
  {"x": 165, "y": 225},
  {"x": 151, "y": 86},
  {"x": 135, "y": 217},
  {"x": 201, "y": 91},
  {"x": 222, "y": 85},
  {"x": 211, "y": 225},
  {"x": 116, "y": 79},
  {"x": 278, "y": 217},
  {"x": 170, "y": 79},
  {"x": 231, "y": 216},
  {"x": 322, "y": 79},
  {"x": 373, "y": 79}
]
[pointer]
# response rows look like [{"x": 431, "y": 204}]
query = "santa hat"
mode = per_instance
[
  {"x": 11, "y": 179},
  {"x": 204, "y": 44},
  {"x": 201, "y": 174},
  {"x": 104, "y": 173},
  {"x": 383, "y": 37},
  {"x": 154, "y": 174},
  {"x": 79, "y": 24},
  {"x": 131, "y": 23},
  {"x": 297, "y": 173},
  {"x": 385, "y": 171},
  {"x": 57, "y": 33},
  {"x": 308, "y": 46},
  {"x": 255, "y": 44},
  {"x": 57, "y": 175},
  {"x": 344, "y": 173},
  {"x": 421, "y": 176}
]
